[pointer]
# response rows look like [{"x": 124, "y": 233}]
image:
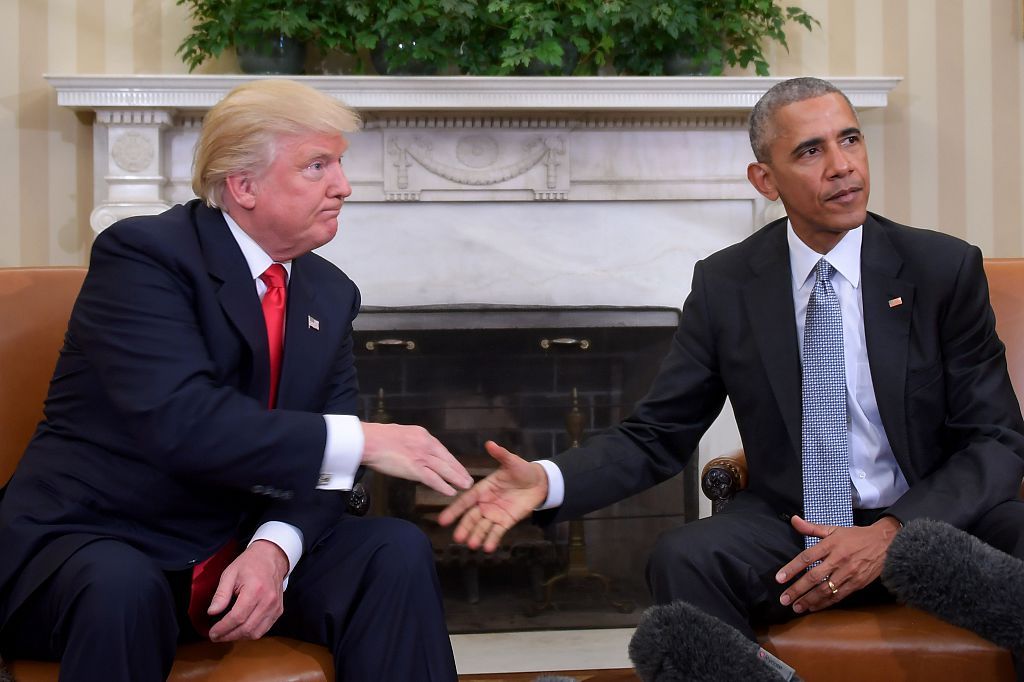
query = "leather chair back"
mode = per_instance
[
  {"x": 35, "y": 304},
  {"x": 1006, "y": 293}
]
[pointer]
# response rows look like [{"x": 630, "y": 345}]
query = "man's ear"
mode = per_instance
[
  {"x": 760, "y": 176},
  {"x": 242, "y": 190}
]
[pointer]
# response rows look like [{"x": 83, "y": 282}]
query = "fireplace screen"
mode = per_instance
[{"x": 534, "y": 380}]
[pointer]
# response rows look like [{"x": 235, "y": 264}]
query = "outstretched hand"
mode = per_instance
[
  {"x": 851, "y": 558},
  {"x": 410, "y": 452},
  {"x": 498, "y": 502}
]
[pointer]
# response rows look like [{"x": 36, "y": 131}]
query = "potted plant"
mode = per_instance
[
  {"x": 655, "y": 37},
  {"x": 269, "y": 36}
]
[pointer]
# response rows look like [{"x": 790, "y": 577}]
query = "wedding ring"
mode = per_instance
[{"x": 832, "y": 586}]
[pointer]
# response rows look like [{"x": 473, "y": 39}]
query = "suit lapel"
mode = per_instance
[
  {"x": 888, "y": 310},
  {"x": 769, "y": 301},
  {"x": 302, "y": 347},
  {"x": 236, "y": 293}
]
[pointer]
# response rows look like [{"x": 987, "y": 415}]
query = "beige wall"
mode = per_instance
[{"x": 947, "y": 153}]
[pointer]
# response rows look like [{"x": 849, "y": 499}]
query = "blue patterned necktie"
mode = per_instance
[{"x": 826, "y": 450}]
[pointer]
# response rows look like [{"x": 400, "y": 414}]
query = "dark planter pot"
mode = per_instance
[
  {"x": 279, "y": 54},
  {"x": 410, "y": 67},
  {"x": 682, "y": 64}
]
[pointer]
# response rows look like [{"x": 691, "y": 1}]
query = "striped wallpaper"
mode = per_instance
[{"x": 947, "y": 153}]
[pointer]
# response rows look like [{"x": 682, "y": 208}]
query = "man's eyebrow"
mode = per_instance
[{"x": 813, "y": 142}]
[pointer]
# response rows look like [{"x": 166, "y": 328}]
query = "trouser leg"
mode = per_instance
[
  {"x": 726, "y": 564},
  {"x": 106, "y": 614},
  {"x": 369, "y": 592}
]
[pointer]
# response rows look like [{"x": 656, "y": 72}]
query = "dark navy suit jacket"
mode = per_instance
[
  {"x": 156, "y": 429},
  {"x": 938, "y": 369}
]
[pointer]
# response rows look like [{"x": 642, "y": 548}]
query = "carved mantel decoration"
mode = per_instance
[{"x": 604, "y": 189}]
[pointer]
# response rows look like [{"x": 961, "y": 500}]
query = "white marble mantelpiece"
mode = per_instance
[{"x": 563, "y": 191}]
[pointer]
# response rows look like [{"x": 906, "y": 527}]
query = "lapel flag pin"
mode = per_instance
[
  {"x": 314, "y": 323},
  {"x": 893, "y": 302}
]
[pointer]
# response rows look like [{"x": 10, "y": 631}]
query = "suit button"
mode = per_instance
[{"x": 258, "y": 489}]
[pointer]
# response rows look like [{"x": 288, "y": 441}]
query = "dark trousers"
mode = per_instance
[
  {"x": 726, "y": 564},
  {"x": 368, "y": 591}
]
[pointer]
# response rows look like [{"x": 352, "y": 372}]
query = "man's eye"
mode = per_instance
[
  {"x": 811, "y": 151},
  {"x": 317, "y": 165}
]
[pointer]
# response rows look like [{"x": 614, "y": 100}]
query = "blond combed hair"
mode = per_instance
[{"x": 240, "y": 132}]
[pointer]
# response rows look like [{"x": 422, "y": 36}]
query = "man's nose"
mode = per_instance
[
  {"x": 339, "y": 185},
  {"x": 838, "y": 162}
]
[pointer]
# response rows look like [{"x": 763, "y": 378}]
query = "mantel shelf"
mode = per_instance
[{"x": 459, "y": 93}]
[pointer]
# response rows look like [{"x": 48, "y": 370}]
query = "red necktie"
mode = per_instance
[
  {"x": 206, "y": 575},
  {"x": 273, "y": 313}
]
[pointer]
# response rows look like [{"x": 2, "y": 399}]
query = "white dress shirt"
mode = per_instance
[
  {"x": 876, "y": 478},
  {"x": 874, "y": 472},
  {"x": 344, "y": 447}
]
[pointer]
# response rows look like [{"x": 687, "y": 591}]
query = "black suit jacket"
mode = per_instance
[
  {"x": 156, "y": 429},
  {"x": 937, "y": 366}
]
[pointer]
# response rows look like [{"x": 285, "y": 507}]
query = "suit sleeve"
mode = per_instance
[
  {"x": 659, "y": 438},
  {"x": 137, "y": 325},
  {"x": 982, "y": 429}
]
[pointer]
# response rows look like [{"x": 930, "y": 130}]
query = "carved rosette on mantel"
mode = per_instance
[
  {"x": 134, "y": 174},
  {"x": 570, "y": 140}
]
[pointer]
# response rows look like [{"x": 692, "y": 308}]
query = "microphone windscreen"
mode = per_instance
[
  {"x": 942, "y": 570},
  {"x": 678, "y": 641}
]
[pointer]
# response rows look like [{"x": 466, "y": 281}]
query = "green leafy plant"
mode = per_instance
[
  {"x": 220, "y": 24},
  {"x": 505, "y": 37},
  {"x": 710, "y": 33}
]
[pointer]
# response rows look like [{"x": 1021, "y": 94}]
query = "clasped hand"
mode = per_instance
[
  {"x": 850, "y": 559},
  {"x": 495, "y": 504}
]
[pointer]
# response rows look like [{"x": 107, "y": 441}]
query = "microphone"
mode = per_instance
[
  {"x": 677, "y": 641},
  {"x": 952, "y": 574}
]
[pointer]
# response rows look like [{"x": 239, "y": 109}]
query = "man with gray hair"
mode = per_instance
[
  {"x": 191, "y": 476},
  {"x": 868, "y": 383}
]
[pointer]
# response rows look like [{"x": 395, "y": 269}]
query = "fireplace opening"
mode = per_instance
[{"x": 535, "y": 380}]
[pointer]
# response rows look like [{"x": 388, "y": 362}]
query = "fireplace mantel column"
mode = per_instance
[{"x": 134, "y": 151}]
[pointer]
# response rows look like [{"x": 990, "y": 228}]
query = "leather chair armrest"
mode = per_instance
[{"x": 723, "y": 477}]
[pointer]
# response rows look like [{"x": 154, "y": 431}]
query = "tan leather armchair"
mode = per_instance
[
  {"x": 35, "y": 304},
  {"x": 891, "y": 642}
]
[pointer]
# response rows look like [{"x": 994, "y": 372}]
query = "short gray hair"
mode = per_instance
[{"x": 778, "y": 96}]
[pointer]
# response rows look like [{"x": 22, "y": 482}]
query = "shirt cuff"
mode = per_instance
[
  {"x": 556, "y": 484},
  {"x": 342, "y": 453},
  {"x": 287, "y": 537}
]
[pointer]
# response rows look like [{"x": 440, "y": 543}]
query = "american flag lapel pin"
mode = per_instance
[
  {"x": 314, "y": 323},
  {"x": 893, "y": 302}
]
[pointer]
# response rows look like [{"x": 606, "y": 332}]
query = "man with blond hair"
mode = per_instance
[{"x": 191, "y": 475}]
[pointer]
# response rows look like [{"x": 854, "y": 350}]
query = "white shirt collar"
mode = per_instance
[
  {"x": 255, "y": 257},
  {"x": 844, "y": 256}
]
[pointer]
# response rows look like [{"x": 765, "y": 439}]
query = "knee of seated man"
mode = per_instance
[
  {"x": 111, "y": 576},
  {"x": 401, "y": 547},
  {"x": 680, "y": 550}
]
